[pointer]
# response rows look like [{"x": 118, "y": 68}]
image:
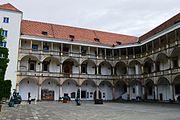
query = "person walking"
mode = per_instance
[{"x": 29, "y": 99}]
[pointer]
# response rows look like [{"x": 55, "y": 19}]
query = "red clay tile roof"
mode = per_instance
[
  {"x": 10, "y": 7},
  {"x": 80, "y": 34},
  {"x": 161, "y": 27}
]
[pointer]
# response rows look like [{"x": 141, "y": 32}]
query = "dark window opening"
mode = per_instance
[
  {"x": 175, "y": 62},
  {"x": 84, "y": 68},
  {"x": 73, "y": 95},
  {"x": 45, "y": 48},
  {"x": 119, "y": 43},
  {"x": 34, "y": 47},
  {"x": 32, "y": 65},
  {"x": 5, "y": 20},
  {"x": 83, "y": 94},
  {"x": 72, "y": 37},
  {"x": 45, "y": 66},
  {"x": 44, "y": 33},
  {"x": 134, "y": 90},
  {"x": 97, "y": 39},
  {"x": 150, "y": 90}
]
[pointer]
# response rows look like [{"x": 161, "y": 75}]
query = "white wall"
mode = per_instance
[
  {"x": 106, "y": 89},
  {"x": 165, "y": 91},
  {"x": 138, "y": 91},
  {"x": 13, "y": 28},
  {"x": 105, "y": 69},
  {"x": 53, "y": 67},
  {"x": 90, "y": 68},
  {"x": 25, "y": 88},
  {"x": 69, "y": 88},
  {"x": 90, "y": 87}
]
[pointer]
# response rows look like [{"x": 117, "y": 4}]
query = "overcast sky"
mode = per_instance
[{"x": 131, "y": 17}]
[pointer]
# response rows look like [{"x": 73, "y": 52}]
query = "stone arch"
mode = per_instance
[
  {"x": 106, "y": 88},
  {"x": 135, "y": 90},
  {"x": 105, "y": 68},
  {"x": 49, "y": 89},
  {"x": 176, "y": 83},
  {"x": 29, "y": 56},
  {"x": 149, "y": 89},
  {"x": 27, "y": 86},
  {"x": 134, "y": 67},
  {"x": 163, "y": 86},
  {"x": 148, "y": 65},
  {"x": 121, "y": 90},
  {"x": 29, "y": 62},
  {"x": 175, "y": 57},
  {"x": 88, "y": 88},
  {"x": 120, "y": 68},
  {"x": 69, "y": 88},
  {"x": 88, "y": 67},
  {"x": 162, "y": 62},
  {"x": 70, "y": 66},
  {"x": 51, "y": 64}
]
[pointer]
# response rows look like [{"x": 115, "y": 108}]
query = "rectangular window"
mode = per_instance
[
  {"x": 134, "y": 90},
  {"x": 32, "y": 65},
  {"x": 34, "y": 47},
  {"x": 5, "y": 20},
  {"x": 45, "y": 66},
  {"x": 5, "y": 33},
  {"x": 84, "y": 68},
  {"x": 46, "y": 48},
  {"x": 175, "y": 62}
]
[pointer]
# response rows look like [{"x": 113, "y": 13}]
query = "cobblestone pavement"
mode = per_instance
[{"x": 89, "y": 111}]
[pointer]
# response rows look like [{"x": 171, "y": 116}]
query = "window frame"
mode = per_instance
[{"x": 5, "y": 19}]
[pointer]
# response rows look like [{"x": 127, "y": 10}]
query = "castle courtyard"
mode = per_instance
[{"x": 90, "y": 111}]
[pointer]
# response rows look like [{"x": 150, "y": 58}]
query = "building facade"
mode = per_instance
[{"x": 51, "y": 61}]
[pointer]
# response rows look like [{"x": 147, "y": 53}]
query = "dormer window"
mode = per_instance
[
  {"x": 119, "y": 43},
  {"x": 72, "y": 37},
  {"x": 44, "y": 33},
  {"x": 97, "y": 39}
]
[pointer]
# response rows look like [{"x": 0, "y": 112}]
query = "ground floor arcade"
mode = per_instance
[{"x": 53, "y": 89}]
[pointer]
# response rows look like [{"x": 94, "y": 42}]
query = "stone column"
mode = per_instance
[
  {"x": 97, "y": 92},
  {"x": 113, "y": 70},
  {"x": 113, "y": 92},
  {"x": 17, "y": 88},
  {"x": 143, "y": 92},
  {"x": 40, "y": 67},
  {"x": 71, "y": 50},
  {"x": 60, "y": 91},
  {"x": 61, "y": 69},
  {"x": 154, "y": 66},
  {"x": 156, "y": 92},
  {"x": 31, "y": 46},
  {"x": 97, "y": 69},
  {"x": 79, "y": 68},
  {"x": 137, "y": 90},
  {"x": 142, "y": 68},
  {"x": 61, "y": 49},
  {"x": 39, "y": 92},
  {"x": 171, "y": 91},
  {"x": 89, "y": 51},
  {"x": 80, "y": 91},
  {"x": 128, "y": 92}
]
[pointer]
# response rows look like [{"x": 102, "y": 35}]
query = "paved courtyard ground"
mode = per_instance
[{"x": 89, "y": 111}]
